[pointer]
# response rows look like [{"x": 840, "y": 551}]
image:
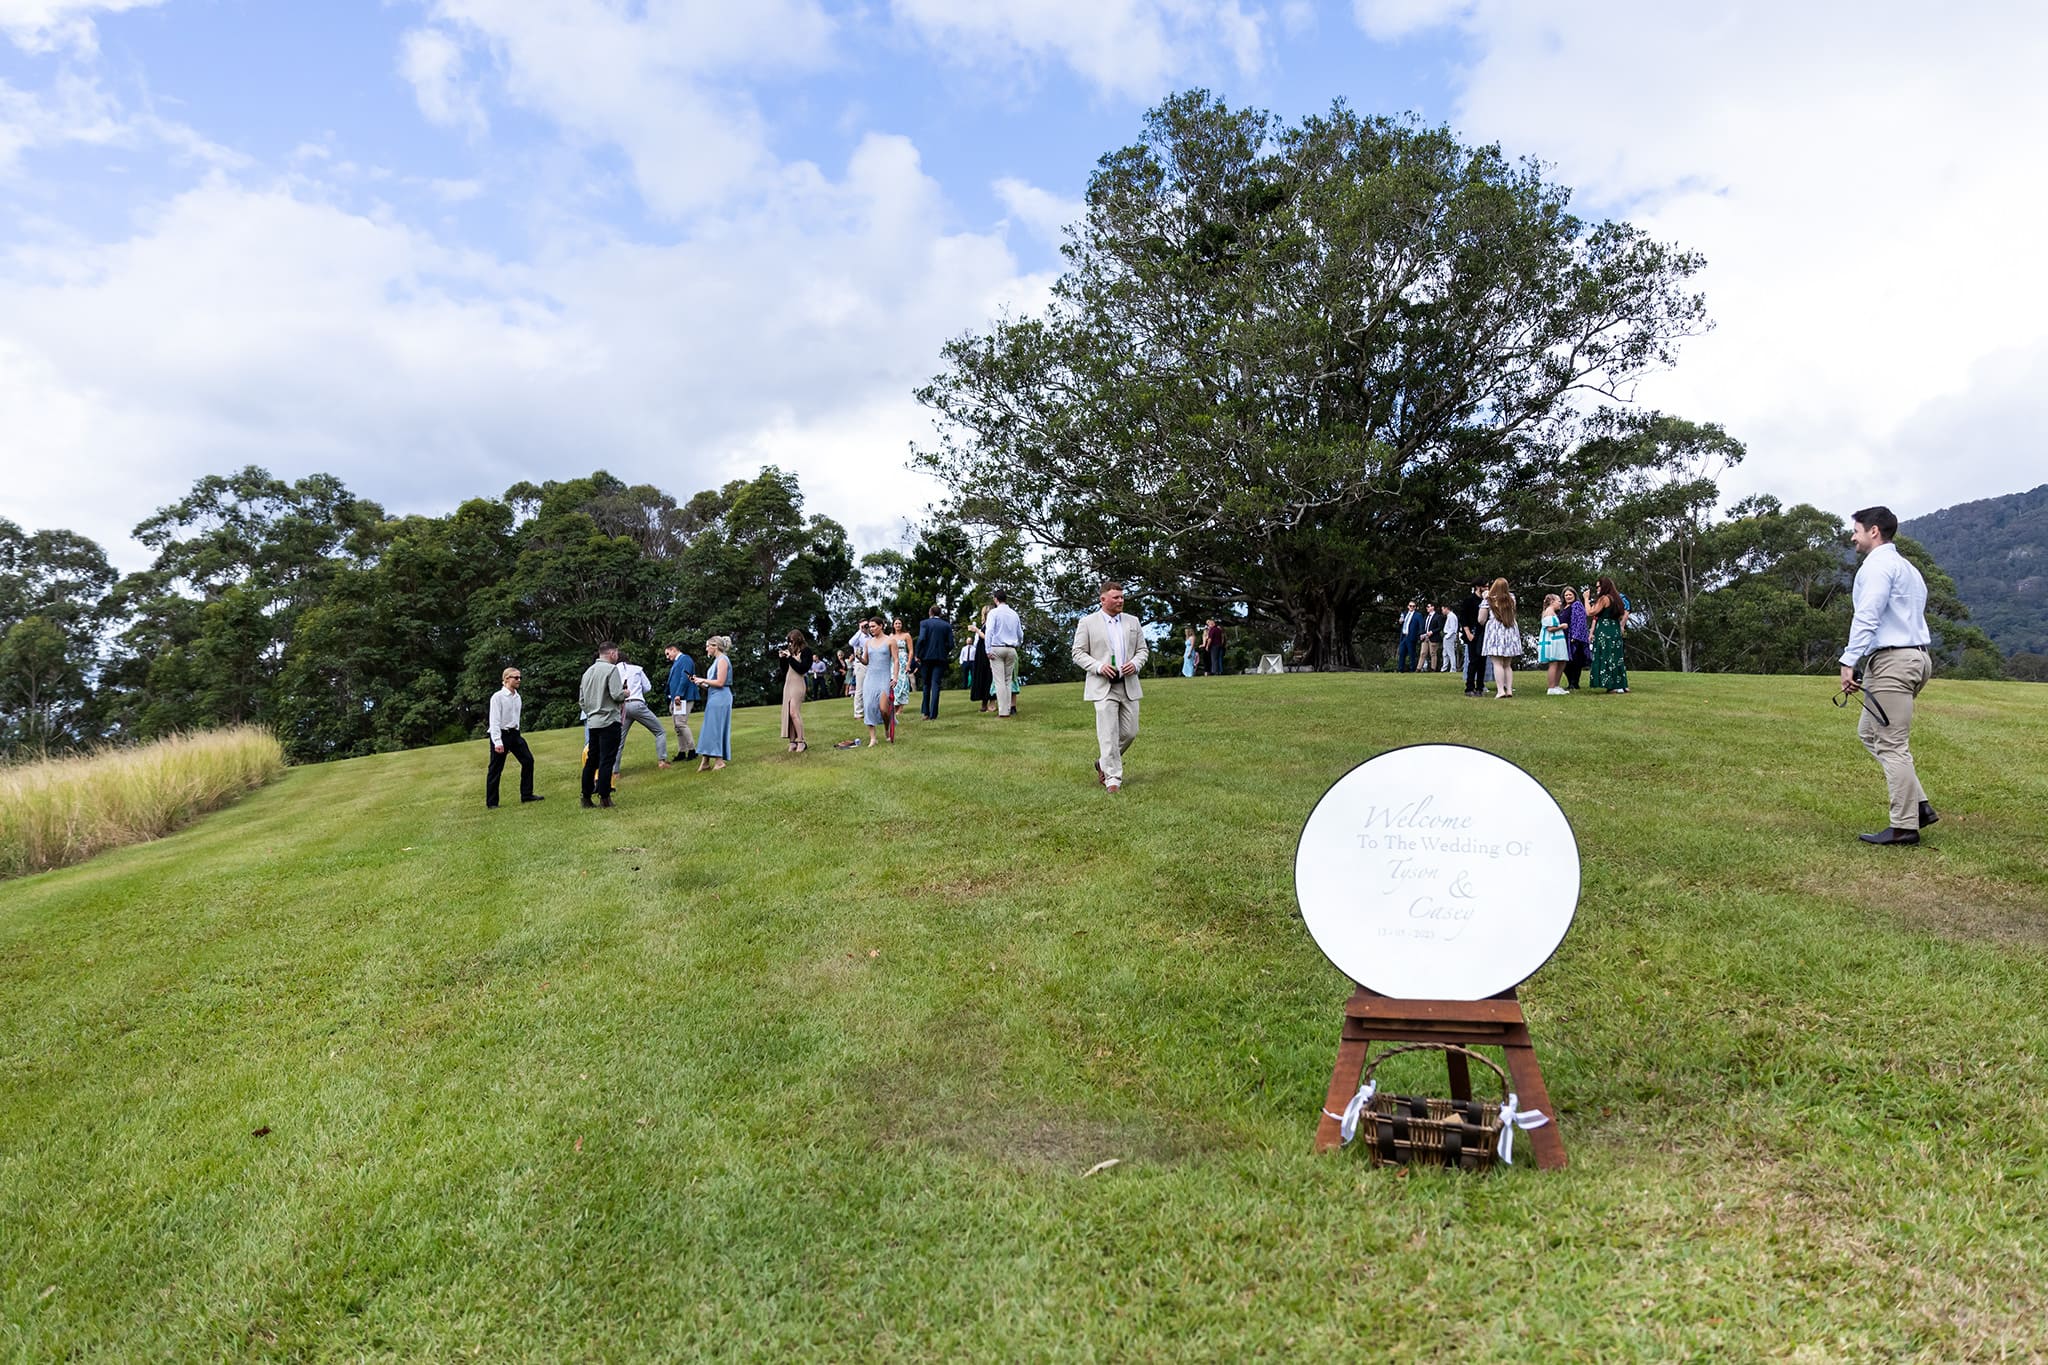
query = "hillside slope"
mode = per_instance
[
  {"x": 812, "y": 1056},
  {"x": 1996, "y": 549}
]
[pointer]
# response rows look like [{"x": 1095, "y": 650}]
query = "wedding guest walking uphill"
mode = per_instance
[
  {"x": 601, "y": 697},
  {"x": 872, "y": 647},
  {"x": 505, "y": 738},
  {"x": 1005, "y": 638},
  {"x": 1109, "y": 647},
  {"x": 1888, "y": 661},
  {"x": 1610, "y": 666},
  {"x": 714, "y": 738}
]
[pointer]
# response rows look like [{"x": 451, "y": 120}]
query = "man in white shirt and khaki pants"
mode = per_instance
[
  {"x": 1888, "y": 636},
  {"x": 1004, "y": 631},
  {"x": 1110, "y": 649}
]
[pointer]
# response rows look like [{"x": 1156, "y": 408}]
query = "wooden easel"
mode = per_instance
[{"x": 1371, "y": 1018}]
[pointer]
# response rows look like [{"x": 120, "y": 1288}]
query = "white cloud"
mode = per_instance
[
  {"x": 265, "y": 325},
  {"x": 76, "y": 111},
  {"x": 661, "y": 82},
  {"x": 41, "y": 26},
  {"x": 433, "y": 63},
  {"x": 1134, "y": 49},
  {"x": 1046, "y": 214},
  {"x": 1861, "y": 182}
]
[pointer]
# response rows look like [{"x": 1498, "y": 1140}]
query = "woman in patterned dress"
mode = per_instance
[
  {"x": 1610, "y": 668},
  {"x": 1503, "y": 642},
  {"x": 901, "y": 653}
]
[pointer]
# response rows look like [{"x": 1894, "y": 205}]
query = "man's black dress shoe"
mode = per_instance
[
  {"x": 1927, "y": 816},
  {"x": 589, "y": 804},
  {"x": 524, "y": 799},
  {"x": 1893, "y": 835}
]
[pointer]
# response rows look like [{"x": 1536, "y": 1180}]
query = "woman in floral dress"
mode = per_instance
[{"x": 1610, "y": 669}]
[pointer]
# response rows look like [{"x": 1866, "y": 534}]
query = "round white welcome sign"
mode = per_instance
[{"x": 1437, "y": 872}]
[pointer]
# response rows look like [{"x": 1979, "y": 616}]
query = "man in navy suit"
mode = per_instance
[
  {"x": 934, "y": 650},
  {"x": 1412, "y": 624}
]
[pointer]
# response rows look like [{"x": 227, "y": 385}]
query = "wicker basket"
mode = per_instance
[{"x": 1414, "y": 1130}]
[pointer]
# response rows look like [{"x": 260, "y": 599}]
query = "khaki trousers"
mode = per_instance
[
  {"x": 1890, "y": 683},
  {"x": 1116, "y": 729},
  {"x": 1002, "y": 666}
]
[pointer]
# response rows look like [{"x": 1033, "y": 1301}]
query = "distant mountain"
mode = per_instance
[{"x": 1997, "y": 552}]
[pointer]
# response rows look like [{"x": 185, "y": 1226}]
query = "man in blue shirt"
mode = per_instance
[
  {"x": 683, "y": 693},
  {"x": 1889, "y": 639}
]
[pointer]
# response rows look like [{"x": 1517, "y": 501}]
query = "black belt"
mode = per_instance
[{"x": 1889, "y": 649}]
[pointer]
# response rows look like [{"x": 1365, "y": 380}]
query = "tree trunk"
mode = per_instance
[{"x": 1322, "y": 633}]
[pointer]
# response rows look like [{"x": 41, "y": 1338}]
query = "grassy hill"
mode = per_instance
[{"x": 811, "y": 1055}]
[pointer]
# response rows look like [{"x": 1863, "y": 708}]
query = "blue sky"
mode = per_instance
[{"x": 438, "y": 246}]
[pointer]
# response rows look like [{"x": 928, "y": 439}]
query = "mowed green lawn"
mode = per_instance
[{"x": 813, "y": 1055}]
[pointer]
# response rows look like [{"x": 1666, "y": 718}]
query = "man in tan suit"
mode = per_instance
[{"x": 1109, "y": 646}]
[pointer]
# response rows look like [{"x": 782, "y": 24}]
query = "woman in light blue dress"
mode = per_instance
[
  {"x": 1187, "y": 655},
  {"x": 877, "y": 699},
  {"x": 714, "y": 737}
]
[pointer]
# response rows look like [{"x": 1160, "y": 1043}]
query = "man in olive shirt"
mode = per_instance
[{"x": 603, "y": 699}]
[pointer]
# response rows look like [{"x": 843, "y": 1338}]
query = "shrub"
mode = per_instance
[{"x": 61, "y": 811}]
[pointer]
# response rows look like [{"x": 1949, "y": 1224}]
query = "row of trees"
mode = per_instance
[
  {"x": 1290, "y": 377},
  {"x": 302, "y": 606}
]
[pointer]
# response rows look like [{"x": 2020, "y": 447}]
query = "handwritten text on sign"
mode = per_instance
[{"x": 1437, "y": 872}]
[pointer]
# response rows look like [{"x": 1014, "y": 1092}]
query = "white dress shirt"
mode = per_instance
[
  {"x": 1005, "y": 627},
  {"x": 504, "y": 714},
  {"x": 633, "y": 679},
  {"x": 1891, "y": 605}
]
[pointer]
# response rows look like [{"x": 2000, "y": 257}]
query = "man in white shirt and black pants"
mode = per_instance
[
  {"x": 1889, "y": 639},
  {"x": 505, "y": 738}
]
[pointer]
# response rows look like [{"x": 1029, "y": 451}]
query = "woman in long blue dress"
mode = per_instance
[
  {"x": 714, "y": 737},
  {"x": 1187, "y": 655},
  {"x": 877, "y": 696}
]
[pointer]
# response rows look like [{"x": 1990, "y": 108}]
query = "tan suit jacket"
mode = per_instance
[{"x": 1093, "y": 644}]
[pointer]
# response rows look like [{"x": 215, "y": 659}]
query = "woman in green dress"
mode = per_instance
[{"x": 1610, "y": 670}]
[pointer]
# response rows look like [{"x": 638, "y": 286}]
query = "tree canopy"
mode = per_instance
[{"x": 1300, "y": 368}]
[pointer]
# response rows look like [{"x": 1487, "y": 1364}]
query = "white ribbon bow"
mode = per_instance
[
  {"x": 1347, "y": 1122},
  {"x": 1512, "y": 1118}
]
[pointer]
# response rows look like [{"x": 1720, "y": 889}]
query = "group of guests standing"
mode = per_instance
[
  {"x": 1576, "y": 630},
  {"x": 1202, "y": 651},
  {"x": 613, "y": 696}
]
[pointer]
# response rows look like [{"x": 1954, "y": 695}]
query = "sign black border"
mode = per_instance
[{"x": 1294, "y": 864}]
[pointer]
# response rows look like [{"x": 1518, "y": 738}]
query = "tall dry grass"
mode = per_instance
[{"x": 61, "y": 811}]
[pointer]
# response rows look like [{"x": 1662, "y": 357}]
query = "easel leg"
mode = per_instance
[
  {"x": 1547, "y": 1142},
  {"x": 1461, "y": 1075},
  {"x": 1343, "y": 1085}
]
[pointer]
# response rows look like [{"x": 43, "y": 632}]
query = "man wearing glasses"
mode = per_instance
[{"x": 505, "y": 738}]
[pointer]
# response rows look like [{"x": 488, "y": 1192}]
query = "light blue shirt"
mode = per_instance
[
  {"x": 1891, "y": 605},
  {"x": 1005, "y": 628}
]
